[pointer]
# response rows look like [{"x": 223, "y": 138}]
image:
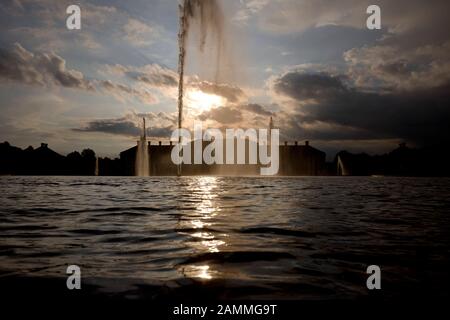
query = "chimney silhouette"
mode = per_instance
[
  {"x": 270, "y": 131},
  {"x": 145, "y": 131}
]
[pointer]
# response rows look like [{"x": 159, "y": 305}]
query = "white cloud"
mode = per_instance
[
  {"x": 290, "y": 16},
  {"x": 43, "y": 69},
  {"x": 399, "y": 68},
  {"x": 139, "y": 33},
  {"x": 249, "y": 8},
  {"x": 123, "y": 92}
]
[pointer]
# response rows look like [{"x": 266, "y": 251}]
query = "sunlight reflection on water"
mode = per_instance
[
  {"x": 275, "y": 236},
  {"x": 204, "y": 190}
]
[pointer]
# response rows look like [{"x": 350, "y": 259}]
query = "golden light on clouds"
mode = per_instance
[{"x": 200, "y": 101}]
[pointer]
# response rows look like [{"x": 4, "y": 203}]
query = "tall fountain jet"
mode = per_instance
[
  {"x": 207, "y": 15},
  {"x": 181, "y": 60},
  {"x": 142, "y": 167}
]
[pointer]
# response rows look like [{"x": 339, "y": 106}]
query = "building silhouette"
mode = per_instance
[{"x": 295, "y": 160}]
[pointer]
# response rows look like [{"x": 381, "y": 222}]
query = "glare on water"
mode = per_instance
[
  {"x": 304, "y": 237},
  {"x": 204, "y": 194}
]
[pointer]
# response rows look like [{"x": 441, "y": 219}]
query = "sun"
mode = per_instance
[{"x": 200, "y": 101}]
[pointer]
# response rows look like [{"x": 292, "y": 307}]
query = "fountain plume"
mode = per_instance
[
  {"x": 142, "y": 158},
  {"x": 96, "y": 167},
  {"x": 207, "y": 14}
]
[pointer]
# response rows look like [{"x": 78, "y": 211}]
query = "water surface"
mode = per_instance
[{"x": 238, "y": 238}]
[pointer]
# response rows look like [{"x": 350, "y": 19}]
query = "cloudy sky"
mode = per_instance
[{"x": 312, "y": 65}]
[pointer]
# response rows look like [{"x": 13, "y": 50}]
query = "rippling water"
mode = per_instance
[{"x": 278, "y": 238}]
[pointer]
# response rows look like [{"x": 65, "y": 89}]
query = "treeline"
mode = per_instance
[
  {"x": 44, "y": 161},
  {"x": 403, "y": 161}
]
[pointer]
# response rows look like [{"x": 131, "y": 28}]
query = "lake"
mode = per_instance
[{"x": 308, "y": 238}]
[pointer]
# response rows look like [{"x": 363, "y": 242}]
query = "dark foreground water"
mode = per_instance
[{"x": 227, "y": 238}]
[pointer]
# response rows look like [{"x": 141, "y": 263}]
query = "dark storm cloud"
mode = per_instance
[
  {"x": 115, "y": 126},
  {"x": 21, "y": 65},
  {"x": 328, "y": 109},
  {"x": 130, "y": 125},
  {"x": 303, "y": 86},
  {"x": 397, "y": 68}
]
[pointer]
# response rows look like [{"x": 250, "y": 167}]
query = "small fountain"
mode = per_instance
[
  {"x": 96, "y": 167},
  {"x": 142, "y": 168}
]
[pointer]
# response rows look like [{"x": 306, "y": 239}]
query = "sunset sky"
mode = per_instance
[{"x": 312, "y": 65}]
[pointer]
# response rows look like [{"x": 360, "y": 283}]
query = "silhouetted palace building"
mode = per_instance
[{"x": 294, "y": 160}]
